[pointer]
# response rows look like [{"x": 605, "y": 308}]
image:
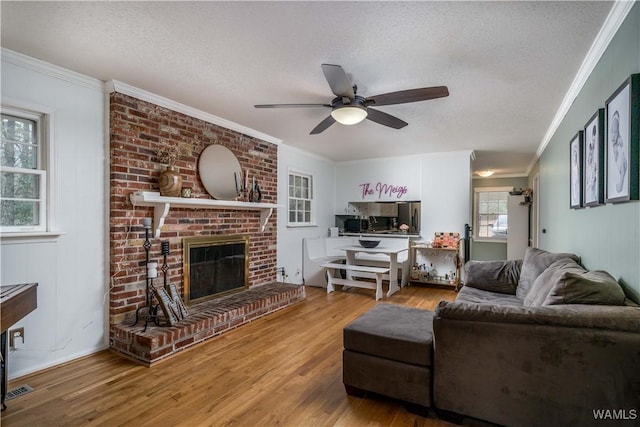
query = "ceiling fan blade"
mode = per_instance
[
  {"x": 290, "y": 105},
  {"x": 385, "y": 119},
  {"x": 338, "y": 80},
  {"x": 323, "y": 125},
  {"x": 410, "y": 95}
]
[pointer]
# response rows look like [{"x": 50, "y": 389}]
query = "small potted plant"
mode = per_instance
[{"x": 527, "y": 193}]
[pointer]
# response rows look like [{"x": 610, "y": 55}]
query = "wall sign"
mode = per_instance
[{"x": 381, "y": 190}]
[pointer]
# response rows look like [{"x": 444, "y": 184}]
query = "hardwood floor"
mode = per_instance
[{"x": 282, "y": 370}]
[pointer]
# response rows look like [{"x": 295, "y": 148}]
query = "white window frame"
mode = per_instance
[
  {"x": 312, "y": 222},
  {"x": 44, "y": 119},
  {"x": 476, "y": 214}
]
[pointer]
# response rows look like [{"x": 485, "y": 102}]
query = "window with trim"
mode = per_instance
[
  {"x": 300, "y": 199},
  {"x": 23, "y": 175},
  {"x": 491, "y": 214}
]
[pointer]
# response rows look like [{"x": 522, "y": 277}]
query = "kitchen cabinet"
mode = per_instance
[{"x": 435, "y": 266}]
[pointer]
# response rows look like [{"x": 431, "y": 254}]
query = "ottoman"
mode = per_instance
[{"x": 389, "y": 351}]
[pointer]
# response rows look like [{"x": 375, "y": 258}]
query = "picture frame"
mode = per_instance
[
  {"x": 593, "y": 165},
  {"x": 575, "y": 170},
  {"x": 622, "y": 152}
]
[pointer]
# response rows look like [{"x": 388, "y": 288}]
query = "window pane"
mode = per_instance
[
  {"x": 492, "y": 214},
  {"x": 300, "y": 198},
  {"x": 19, "y": 185},
  {"x": 19, "y": 142},
  {"x": 19, "y": 213},
  {"x": 18, "y": 129},
  {"x": 18, "y": 155}
]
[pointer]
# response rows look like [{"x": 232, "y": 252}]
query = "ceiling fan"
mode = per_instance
[{"x": 348, "y": 108}]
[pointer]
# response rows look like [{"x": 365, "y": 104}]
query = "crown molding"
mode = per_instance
[
  {"x": 612, "y": 23},
  {"x": 120, "y": 87},
  {"x": 33, "y": 64}
]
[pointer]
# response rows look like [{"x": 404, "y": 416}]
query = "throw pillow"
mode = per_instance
[
  {"x": 493, "y": 276},
  {"x": 593, "y": 287},
  {"x": 548, "y": 279},
  {"x": 535, "y": 262}
]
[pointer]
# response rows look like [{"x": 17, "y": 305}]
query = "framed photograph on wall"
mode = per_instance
[
  {"x": 622, "y": 150},
  {"x": 593, "y": 165},
  {"x": 575, "y": 171}
]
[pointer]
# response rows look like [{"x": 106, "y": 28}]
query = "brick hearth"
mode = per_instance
[{"x": 205, "y": 320}]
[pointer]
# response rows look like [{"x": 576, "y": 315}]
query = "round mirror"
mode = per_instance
[{"x": 220, "y": 172}]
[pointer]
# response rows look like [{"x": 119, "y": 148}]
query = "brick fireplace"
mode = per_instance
[{"x": 137, "y": 130}]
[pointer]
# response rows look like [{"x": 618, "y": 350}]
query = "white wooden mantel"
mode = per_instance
[{"x": 161, "y": 206}]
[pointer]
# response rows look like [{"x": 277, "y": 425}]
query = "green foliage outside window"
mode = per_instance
[{"x": 20, "y": 179}]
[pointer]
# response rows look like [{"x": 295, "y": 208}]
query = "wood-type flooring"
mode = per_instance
[{"x": 281, "y": 370}]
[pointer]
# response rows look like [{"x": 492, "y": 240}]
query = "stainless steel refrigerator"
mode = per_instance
[{"x": 409, "y": 213}]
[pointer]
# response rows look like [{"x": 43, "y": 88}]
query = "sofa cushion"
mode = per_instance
[
  {"x": 495, "y": 276},
  {"x": 535, "y": 262},
  {"x": 548, "y": 279},
  {"x": 477, "y": 296},
  {"x": 593, "y": 287}
]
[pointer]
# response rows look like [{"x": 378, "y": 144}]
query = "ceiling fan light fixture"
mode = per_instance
[
  {"x": 349, "y": 114},
  {"x": 486, "y": 173}
]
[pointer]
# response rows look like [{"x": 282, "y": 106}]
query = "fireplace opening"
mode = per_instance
[{"x": 214, "y": 266}]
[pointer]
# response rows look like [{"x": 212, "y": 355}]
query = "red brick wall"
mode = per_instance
[{"x": 137, "y": 130}]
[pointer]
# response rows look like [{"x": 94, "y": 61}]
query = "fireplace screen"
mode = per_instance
[{"x": 214, "y": 266}]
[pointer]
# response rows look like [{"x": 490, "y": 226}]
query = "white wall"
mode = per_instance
[
  {"x": 446, "y": 189},
  {"x": 378, "y": 176},
  {"x": 71, "y": 318},
  {"x": 324, "y": 184}
]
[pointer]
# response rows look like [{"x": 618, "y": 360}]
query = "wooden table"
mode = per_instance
[
  {"x": 16, "y": 301},
  {"x": 351, "y": 252}
]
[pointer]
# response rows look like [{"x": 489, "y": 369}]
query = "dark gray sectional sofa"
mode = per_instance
[{"x": 538, "y": 342}]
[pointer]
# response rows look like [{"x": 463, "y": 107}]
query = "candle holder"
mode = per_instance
[
  {"x": 152, "y": 272},
  {"x": 165, "y": 267}
]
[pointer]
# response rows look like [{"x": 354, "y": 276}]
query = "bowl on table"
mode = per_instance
[{"x": 367, "y": 243}]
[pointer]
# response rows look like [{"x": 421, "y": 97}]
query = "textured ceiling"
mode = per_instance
[{"x": 507, "y": 64}]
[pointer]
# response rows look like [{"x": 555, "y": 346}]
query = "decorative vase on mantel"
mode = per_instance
[{"x": 170, "y": 182}]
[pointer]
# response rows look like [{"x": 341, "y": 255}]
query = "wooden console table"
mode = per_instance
[{"x": 16, "y": 301}]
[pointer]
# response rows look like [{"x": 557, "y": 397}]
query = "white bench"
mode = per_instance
[
  {"x": 378, "y": 271},
  {"x": 319, "y": 250}
]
